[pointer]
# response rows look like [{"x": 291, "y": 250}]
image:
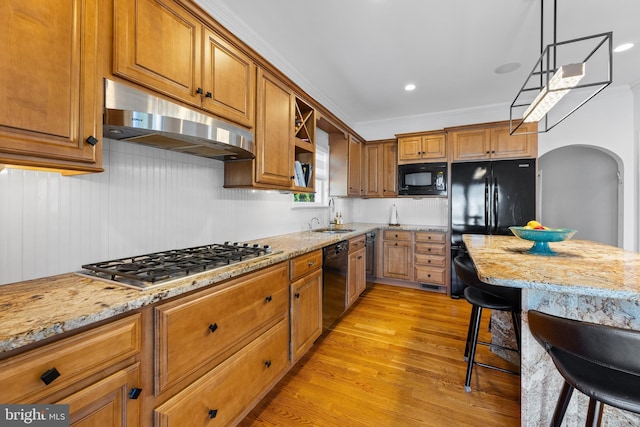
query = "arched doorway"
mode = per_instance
[{"x": 580, "y": 188}]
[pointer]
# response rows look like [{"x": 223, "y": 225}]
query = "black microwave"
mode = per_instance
[{"x": 422, "y": 179}]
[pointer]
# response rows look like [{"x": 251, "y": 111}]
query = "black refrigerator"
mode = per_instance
[{"x": 487, "y": 198}]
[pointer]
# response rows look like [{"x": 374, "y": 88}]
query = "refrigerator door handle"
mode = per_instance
[
  {"x": 486, "y": 205},
  {"x": 495, "y": 204}
]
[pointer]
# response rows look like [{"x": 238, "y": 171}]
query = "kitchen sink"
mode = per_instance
[{"x": 333, "y": 230}]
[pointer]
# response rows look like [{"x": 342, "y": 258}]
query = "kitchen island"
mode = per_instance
[{"x": 584, "y": 281}]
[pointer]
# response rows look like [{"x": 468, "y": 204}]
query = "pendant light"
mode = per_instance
[{"x": 585, "y": 71}]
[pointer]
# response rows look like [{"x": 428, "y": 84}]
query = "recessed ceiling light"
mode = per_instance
[
  {"x": 623, "y": 47},
  {"x": 409, "y": 87},
  {"x": 507, "y": 68}
]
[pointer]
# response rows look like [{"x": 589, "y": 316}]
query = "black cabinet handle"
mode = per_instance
[
  {"x": 199, "y": 91},
  {"x": 360, "y": 257},
  {"x": 213, "y": 327},
  {"x": 213, "y": 413},
  {"x": 311, "y": 263},
  {"x": 208, "y": 95},
  {"x": 49, "y": 376},
  {"x": 92, "y": 140},
  {"x": 267, "y": 363},
  {"x": 268, "y": 298},
  {"x": 134, "y": 393},
  {"x": 297, "y": 295}
]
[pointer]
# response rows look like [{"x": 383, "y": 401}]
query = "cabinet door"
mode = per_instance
[
  {"x": 274, "y": 132},
  {"x": 373, "y": 170},
  {"x": 306, "y": 313},
  {"x": 410, "y": 148},
  {"x": 50, "y": 101},
  {"x": 397, "y": 257},
  {"x": 158, "y": 44},
  {"x": 390, "y": 169},
  {"x": 505, "y": 146},
  {"x": 106, "y": 403},
  {"x": 229, "y": 81},
  {"x": 355, "y": 167},
  {"x": 434, "y": 147},
  {"x": 471, "y": 144}
]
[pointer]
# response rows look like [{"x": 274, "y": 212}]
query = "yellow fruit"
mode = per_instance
[
  {"x": 533, "y": 224},
  {"x": 526, "y": 227}
]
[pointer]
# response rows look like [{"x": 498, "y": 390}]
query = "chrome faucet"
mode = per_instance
[{"x": 311, "y": 223}]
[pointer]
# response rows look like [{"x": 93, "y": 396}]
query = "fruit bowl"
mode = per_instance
[{"x": 541, "y": 238}]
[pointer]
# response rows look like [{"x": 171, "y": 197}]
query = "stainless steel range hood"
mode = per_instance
[{"x": 134, "y": 116}]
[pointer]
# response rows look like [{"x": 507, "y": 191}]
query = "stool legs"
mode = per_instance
[
  {"x": 474, "y": 310},
  {"x": 561, "y": 406},
  {"x": 594, "y": 415},
  {"x": 474, "y": 328}
]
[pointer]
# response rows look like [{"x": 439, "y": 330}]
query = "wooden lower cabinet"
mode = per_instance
[
  {"x": 415, "y": 259},
  {"x": 222, "y": 395},
  {"x": 357, "y": 267},
  {"x": 190, "y": 334},
  {"x": 107, "y": 402},
  {"x": 397, "y": 248},
  {"x": 306, "y": 302}
]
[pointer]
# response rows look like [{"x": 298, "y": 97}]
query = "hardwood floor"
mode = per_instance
[{"x": 394, "y": 359}]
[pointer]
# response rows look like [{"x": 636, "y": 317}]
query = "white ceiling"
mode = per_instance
[{"x": 355, "y": 56}]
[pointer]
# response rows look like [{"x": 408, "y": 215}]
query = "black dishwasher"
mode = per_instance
[{"x": 335, "y": 269}]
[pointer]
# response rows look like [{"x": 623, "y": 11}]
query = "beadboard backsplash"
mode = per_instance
[{"x": 149, "y": 200}]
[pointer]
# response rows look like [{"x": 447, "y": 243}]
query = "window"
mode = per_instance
[{"x": 321, "y": 196}]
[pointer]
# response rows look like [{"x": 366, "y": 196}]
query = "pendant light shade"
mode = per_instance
[{"x": 566, "y": 76}]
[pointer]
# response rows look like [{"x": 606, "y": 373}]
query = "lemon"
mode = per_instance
[{"x": 533, "y": 224}]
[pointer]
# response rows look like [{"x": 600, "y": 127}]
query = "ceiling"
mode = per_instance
[{"x": 356, "y": 56}]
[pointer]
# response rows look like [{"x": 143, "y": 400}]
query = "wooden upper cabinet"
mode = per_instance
[
  {"x": 50, "y": 98},
  {"x": 229, "y": 80},
  {"x": 492, "y": 141},
  {"x": 274, "y": 132},
  {"x": 380, "y": 169},
  {"x": 355, "y": 168},
  {"x": 422, "y": 147},
  {"x": 162, "y": 46},
  {"x": 158, "y": 44}
]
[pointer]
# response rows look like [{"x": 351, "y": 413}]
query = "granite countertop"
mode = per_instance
[
  {"x": 38, "y": 309},
  {"x": 580, "y": 267}
]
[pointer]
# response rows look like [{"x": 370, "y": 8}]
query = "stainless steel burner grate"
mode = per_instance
[{"x": 145, "y": 271}]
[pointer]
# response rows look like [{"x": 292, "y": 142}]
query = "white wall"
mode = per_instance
[
  {"x": 606, "y": 121},
  {"x": 147, "y": 200}
]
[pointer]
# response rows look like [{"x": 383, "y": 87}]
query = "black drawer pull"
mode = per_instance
[
  {"x": 213, "y": 327},
  {"x": 199, "y": 91},
  {"x": 268, "y": 298},
  {"x": 134, "y": 393},
  {"x": 297, "y": 295},
  {"x": 267, "y": 363},
  {"x": 213, "y": 413},
  {"x": 311, "y": 263},
  {"x": 48, "y": 377},
  {"x": 208, "y": 95}
]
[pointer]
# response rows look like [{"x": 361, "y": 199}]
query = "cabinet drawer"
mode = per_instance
[
  {"x": 303, "y": 264},
  {"x": 430, "y": 260},
  {"x": 430, "y": 237},
  {"x": 221, "y": 395},
  {"x": 357, "y": 243},
  {"x": 210, "y": 326},
  {"x": 430, "y": 275},
  {"x": 74, "y": 358},
  {"x": 396, "y": 235},
  {"x": 428, "y": 249}
]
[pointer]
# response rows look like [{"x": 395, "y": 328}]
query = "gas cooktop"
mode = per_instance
[{"x": 155, "y": 269}]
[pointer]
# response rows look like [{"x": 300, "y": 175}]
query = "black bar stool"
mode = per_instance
[
  {"x": 601, "y": 361},
  {"x": 483, "y": 295}
]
